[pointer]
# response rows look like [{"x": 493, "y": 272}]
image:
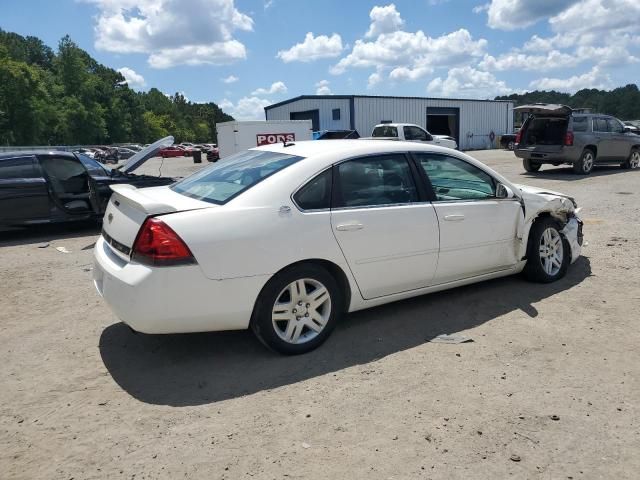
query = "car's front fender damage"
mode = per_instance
[{"x": 538, "y": 202}]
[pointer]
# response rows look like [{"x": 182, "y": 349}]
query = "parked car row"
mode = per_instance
[
  {"x": 187, "y": 149},
  {"x": 556, "y": 135}
]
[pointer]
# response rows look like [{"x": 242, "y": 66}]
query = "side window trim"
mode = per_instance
[
  {"x": 430, "y": 185},
  {"x": 336, "y": 192}
]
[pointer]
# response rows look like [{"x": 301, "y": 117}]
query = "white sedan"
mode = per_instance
[{"x": 285, "y": 239}]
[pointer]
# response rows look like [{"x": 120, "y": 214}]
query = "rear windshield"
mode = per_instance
[
  {"x": 228, "y": 178},
  {"x": 385, "y": 131}
]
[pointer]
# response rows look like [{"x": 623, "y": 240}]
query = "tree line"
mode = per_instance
[
  {"x": 67, "y": 98},
  {"x": 622, "y": 103}
]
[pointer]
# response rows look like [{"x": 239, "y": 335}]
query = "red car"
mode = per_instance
[{"x": 172, "y": 151}]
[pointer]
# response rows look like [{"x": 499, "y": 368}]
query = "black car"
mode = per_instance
[{"x": 39, "y": 187}]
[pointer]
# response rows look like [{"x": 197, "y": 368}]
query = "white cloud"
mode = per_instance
[
  {"x": 230, "y": 79},
  {"x": 374, "y": 79},
  {"x": 516, "y": 60},
  {"x": 516, "y": 14},
  {"x": 467, "y": 82},
  {"x": 247, "y": 108},
  {"x": 404, "y": 73},
  {"x": 172, "y": 32},
  {"x": 133, "y": 79},
  {"x": 594, "y": 78},
  {"x": 322, "y": 88},
  {"x": 220, "y": 53},
  {"x": 313, "y": 48},
  {"x": 276, "y": 87},
  {"x": 412, "y": 50},
  {"x": 384, "y": 20}
]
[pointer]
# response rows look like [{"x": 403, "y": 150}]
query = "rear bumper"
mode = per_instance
[
  {"x": 564, "y": 155},
  {"x": 172, "y": 299}
]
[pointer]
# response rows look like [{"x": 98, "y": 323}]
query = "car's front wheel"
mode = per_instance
[
  {"x": 297, "y": 309},
  {"x": 548, "y": 252},
  {"x": 530, "y": 166},
  {"x": 633, "y": 161}
]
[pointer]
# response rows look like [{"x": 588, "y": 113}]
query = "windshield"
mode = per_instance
[
  {"x": 93, "y": 166},
  {"x": 385, "y": 131},
  {"x": 227, "y": 179}
]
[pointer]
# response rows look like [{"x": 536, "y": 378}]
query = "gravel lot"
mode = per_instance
[{"x": 549, "y": 387}]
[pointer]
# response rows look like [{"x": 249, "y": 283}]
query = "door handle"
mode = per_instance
[
  {"x": 454, "y": 218},
  {"x": 349, "y": 227}
]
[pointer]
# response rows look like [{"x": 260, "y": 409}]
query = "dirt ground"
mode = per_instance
[{"x": 549, "y": 388}]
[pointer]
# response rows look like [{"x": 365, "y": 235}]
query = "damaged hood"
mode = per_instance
[
  {"x": 539, "y": 200},
  {"x": 135, "y": 161}
]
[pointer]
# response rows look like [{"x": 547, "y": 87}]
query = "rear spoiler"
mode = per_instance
[
  {"x": 135, "y": 198},
  {"x": 544, "y": 108}
]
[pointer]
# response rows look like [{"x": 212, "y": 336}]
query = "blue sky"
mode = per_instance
[{"x": 246, "y": 54}]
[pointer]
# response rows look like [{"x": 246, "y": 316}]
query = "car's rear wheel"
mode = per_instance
[
  {"x": 548, "y": 252},
  {"x": 586, "y": 162},
  {"x": 633, "y": 161},
  {"x": 530, "y": 166},
  {"x": 297, "y": 309}
]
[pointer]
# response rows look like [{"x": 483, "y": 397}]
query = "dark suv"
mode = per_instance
[{"x": 555, "y": 134}]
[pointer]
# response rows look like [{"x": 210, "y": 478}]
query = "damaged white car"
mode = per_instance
[{"x": 285, "y": 239}]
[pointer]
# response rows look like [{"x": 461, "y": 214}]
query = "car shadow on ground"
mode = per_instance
[
  {"x": 566, "y": 173},
  {"x": 48, "y": 233},
  {"x": 196, "y": 369}
]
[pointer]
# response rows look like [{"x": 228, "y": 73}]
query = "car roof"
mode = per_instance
[
  {"x": 30, "y": 153},
  {"x": 349, "y": 147},
  {"x": 397, "y": 125}
]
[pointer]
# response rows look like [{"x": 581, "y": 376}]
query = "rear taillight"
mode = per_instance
[
  {"x": 518, "y": 136},
  {"x": 157, "y": 244},
  {"x": 568, "y": 138}
]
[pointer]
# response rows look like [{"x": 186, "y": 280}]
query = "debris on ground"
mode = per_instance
[
  {"x": 43, "y": 245},
  {"x": 515, "y": 458},
  {"x": 63, "y": 250},
  {"x": 451, "y": 339}
]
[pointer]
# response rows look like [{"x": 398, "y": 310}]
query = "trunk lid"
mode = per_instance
[
  {"x": 544, "y": 109},
  {"x": 129, "y": 207},
  {"x": 135, "y": 161}
]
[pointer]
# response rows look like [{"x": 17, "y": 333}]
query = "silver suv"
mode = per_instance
[{"x": 555, "y": 134}]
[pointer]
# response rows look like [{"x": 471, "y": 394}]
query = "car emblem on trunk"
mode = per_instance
[{"x": 110, "y": 217}]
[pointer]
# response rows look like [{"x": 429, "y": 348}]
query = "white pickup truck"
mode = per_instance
[{"x": 411, "y": 133}]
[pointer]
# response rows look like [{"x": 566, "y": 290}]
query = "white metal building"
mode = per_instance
[{"x": 470, "y": 122}]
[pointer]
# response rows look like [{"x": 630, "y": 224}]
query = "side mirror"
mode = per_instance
[{"x": 502, "y": 191}]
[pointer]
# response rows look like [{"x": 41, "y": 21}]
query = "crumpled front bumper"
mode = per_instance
[{"x": 572, "y": 231}]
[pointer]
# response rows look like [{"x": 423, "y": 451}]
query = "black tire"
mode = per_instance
[
  {"x": 535, "y": 270},
  {"x": 586, "y": 162},
  {"x": 633, "y": 161},
  {"x": 530, "y": 166},
  {"x": 265, "y": 328}
]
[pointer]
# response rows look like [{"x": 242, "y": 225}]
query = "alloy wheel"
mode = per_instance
[
  {"x": 551, "y": 251},
  {"x": 634, "y": 161},
  {"x": 301, "y": 311},
  {"x": 587, "y": 161}
]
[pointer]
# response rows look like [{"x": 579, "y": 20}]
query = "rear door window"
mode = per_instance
[
  {"x": 375, "y": 181},
  {"x": 13, "y": 168},
  {"x": 600, "y": 125}
]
